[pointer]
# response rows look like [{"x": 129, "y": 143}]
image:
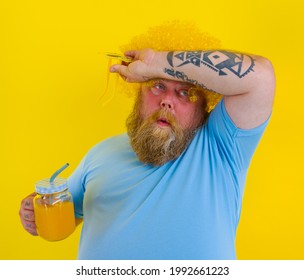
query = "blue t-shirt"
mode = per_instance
[{"x": 188, "y": 208}]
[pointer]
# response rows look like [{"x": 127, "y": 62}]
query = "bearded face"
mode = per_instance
[{"x": 158, "y": 137}]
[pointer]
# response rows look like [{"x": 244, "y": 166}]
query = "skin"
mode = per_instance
[
  {"x": 172, "y": 96},
  {"x": 248, "y": 96},
  {"x": 247, "y": 83},
  {"x": 27, "y": 215}
]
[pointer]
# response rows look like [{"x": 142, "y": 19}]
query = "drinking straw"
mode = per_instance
[{"x": 58, "y": 172}]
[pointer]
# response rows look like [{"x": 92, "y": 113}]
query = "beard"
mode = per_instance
[{"x": 153, "y": 144}]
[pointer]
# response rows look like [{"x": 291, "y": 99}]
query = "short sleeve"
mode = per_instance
[
  {"x": 235, "y": 145},
  {"x": 76, "y": 188}
]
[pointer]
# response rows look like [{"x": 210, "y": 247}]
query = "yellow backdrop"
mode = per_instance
[{"x": 52, "y": 73}]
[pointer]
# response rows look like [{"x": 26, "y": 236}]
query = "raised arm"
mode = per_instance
[{"x": 246, "y": 81}]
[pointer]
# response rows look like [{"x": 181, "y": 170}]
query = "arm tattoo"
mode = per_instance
[
  {"x": 182, "y": 76},
  {"x": 219, "y": 61}
]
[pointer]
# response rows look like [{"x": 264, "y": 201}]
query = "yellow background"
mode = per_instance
[{"x": 52, "y": 73}]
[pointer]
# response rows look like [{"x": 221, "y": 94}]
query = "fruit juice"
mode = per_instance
[{"x": 54, "y": 221}]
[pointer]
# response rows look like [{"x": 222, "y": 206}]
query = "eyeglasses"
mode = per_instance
[{"x": 185, "y": 94}]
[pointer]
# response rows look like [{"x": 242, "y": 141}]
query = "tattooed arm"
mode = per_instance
[{"x": 246, "y": 81}]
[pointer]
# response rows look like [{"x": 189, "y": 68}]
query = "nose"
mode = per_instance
[
  {"x": 168, "y": 100},
  {"x": 166, "y": 104}
]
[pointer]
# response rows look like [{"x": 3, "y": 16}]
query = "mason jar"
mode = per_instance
[{"x": 54, "y": 209}]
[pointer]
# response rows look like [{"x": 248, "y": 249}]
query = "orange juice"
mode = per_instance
[
  {"x": 55, "y": 222},
  {"x": 54, "y": 209}
]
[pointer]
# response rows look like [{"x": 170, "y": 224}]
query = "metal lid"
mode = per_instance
[{"x": 45, "y": 187}]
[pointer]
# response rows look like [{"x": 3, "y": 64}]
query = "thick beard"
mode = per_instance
[{"x": 153, "y": 144}]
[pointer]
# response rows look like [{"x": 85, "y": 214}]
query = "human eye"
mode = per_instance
[
  {"x": 184, "y": 93},
  {"x": 157, "y": 87},
  {"x": 188, "y": 94}
]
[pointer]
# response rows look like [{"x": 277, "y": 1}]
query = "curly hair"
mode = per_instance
[{"x": 170, "y": 36}]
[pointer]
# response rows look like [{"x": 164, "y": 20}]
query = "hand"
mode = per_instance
[
  {"x": 139, "y": 70},
  {"x": 27, "y": 215}
]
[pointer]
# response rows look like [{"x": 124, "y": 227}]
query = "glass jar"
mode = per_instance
[{"x": 54, "y": 209}]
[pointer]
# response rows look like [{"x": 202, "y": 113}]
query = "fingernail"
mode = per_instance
[{"x": 112, "y": 69}]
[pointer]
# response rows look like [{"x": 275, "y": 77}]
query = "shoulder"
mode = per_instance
[
  {"x": 113, "y": 140},
  {"x": 221, "y": 121},
  {"x": 116, "y": 142}
]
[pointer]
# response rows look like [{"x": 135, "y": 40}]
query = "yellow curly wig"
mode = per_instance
[{"x": 170, "y": 36}]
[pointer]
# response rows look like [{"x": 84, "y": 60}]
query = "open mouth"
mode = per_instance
[{"x": 163, "y": 122}]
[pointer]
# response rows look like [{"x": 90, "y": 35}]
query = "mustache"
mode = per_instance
[{"x": 163, "y": 114}]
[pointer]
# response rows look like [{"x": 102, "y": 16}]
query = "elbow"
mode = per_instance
[
  {"x": 266, "y": 67},
  {"x": 267, "y": 76}
]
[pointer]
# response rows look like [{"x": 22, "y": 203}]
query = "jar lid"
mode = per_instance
[{"x": 46, "y": 187}]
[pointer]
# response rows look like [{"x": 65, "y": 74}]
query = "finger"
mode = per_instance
[
  {"x": 132, "y": 53},
  {"x": 27, "y": 203},
  {"x": 117, "y": 68},
  {"x": 27, "y": 215},
  {"x": 28, "y": 221},
  {"x": 114, "y": 69},
  {"x": 30, "y": 227},
  {"x": 123, "y": 71}
]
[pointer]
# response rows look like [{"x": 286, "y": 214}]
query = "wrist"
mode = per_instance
[{"x": 158, "y": 64}]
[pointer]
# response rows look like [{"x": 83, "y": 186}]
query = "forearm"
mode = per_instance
[
  {"x": 247, "y": 81},
  {"x": 224, "y": 72}
]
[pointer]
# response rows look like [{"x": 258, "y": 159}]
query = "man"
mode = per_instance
[{"x": 172, "y": 188}]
